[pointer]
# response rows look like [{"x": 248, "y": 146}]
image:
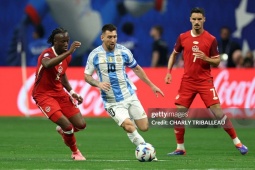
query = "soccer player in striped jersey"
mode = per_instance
[
  {"x": 200, "y": 51},
  {"x": 109, "y": 60},
  {"x": 49, "y": 94}
]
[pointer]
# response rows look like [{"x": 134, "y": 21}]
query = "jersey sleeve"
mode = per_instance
[
  {"x": 89, "y": 68},
  {"x": 46, "y": 54},
  {"x": 178, "y": 46},
  {"x": 129, "y": 59},
  {"x": 214, "y": 52}
]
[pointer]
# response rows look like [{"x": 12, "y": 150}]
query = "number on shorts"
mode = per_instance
[
  {"x": 111, "y": 112},
  {"x": 214, "y": 94}
]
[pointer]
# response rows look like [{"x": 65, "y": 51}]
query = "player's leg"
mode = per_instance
[
  {"x": 78, "y": 122},
  {"x": 209, "y": 96},
  {"x": 120, "y": 114},
  {"x": 72, "y": 113},
  {"x": 179, "y": 131},
  {"x": 183, "y": 100},
  {"x": 228, "y": 127},
  {"x": 66, "y": 130},
  {"x": 137, "y": 113}
]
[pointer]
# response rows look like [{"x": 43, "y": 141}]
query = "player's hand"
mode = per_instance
[
  {"x": 201, "y": 55},
  {"x": 156, "y": 90},
  {"x": 77, "y": 97},
  {"x": 168, "y": 78},
  {"x": 75, "y": 44},
  {"x": 105, "y": 86}
]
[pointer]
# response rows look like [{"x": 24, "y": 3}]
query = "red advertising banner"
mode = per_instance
[{"x": 235, "y": 87}]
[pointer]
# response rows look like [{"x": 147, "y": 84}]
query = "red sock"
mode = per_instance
[
  {"x": 69, "y": 138},
  {"x": 228, "y": 127},
  {"x": 70, "y": 141},
  {"x": 179, "y": 133}
]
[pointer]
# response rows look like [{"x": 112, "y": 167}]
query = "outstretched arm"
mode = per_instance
[
  {"x": 142, "y": 75},
  {"x": 47, "y": 62}
]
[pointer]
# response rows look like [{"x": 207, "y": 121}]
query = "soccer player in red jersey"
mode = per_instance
[
  {"x": 200, "y": 51},
  {"x": 51, "y": 89}
]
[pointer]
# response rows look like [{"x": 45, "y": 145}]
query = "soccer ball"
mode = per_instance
[{"x": 145, "y": 152}]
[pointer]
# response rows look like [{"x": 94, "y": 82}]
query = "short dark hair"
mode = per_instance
[
  {"x": 54, "y": 32},
  {"x": 227, "y": 28},
  {"x": 197, "y": 10},
  {"x": 109, "y": 27}
]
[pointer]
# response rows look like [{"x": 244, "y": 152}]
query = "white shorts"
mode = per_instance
[{"x": 130, "y": 108}]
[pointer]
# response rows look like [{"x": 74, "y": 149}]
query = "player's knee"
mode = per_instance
[
  {"x": 81, "y": 126},
  {"x": 144, "y": 128},
  {"x": 68, "y": 129}
]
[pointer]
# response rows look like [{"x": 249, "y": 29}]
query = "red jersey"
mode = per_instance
[
  {"x": 48, "y": 80},
  {"x": 196, "y": 69}
]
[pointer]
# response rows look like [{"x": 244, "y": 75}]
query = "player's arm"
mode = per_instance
[
  {"x": 105, "y": 86},
  {"x": 142, "y": 75},
  {"x": 66, "y": 83},
  {"x": 171, "y": 61},
  {"x": 214, "y": 60},
  {"x": 51, "y": 62},
  {"x": 68, "y": 87}
]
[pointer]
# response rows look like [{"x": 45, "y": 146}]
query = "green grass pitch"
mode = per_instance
[{"x": 33, "y": 143}]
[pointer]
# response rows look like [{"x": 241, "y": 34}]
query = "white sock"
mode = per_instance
[
  {"x": 236, "y": 141},
  {"x": 135, "y": 138},
  {"x": 180, "y": 146}
]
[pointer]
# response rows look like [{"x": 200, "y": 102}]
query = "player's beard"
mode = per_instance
[{"x": 111, "y": 47}]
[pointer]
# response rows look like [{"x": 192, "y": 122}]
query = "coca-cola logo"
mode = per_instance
[
  {"x": 92, "y": 102},
  {"x": 236, "y": 94}
]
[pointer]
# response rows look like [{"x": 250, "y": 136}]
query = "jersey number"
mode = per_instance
[
  {"x": 194, "y": 59},
  {"x": 111, "y": 112},
  {"x": 214, "y": 94},
  {"x": 111, "y": 68}
]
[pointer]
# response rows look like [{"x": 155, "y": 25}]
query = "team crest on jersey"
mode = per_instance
[
  {"x": 118, "y": 59},
  {"x": 47, "y": 108},
  {"x": 195, "y": 48},
  {"x": 110, "y": 59},
  {"x": 195, "y": 42},
  {"x": 60, "y": 69}
]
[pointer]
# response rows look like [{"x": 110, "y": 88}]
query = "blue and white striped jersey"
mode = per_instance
[{"x": 110, "y": 67}]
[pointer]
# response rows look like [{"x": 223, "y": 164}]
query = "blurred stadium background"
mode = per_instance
[{"x": 83, "y": 19}]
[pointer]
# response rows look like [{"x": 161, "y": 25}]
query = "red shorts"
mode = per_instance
[
  {"x": 64, "y": 103},
  {"x": 189, "y": 90}
]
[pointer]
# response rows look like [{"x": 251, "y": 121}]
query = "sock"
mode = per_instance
[
  {"x": 236, "y": 141},
  {"x": 179, "y": 134},
  {"x": 180, "y": 146},
  {"x": 135, "y": 138},
  {"x": 69, "y": 138},
  {"x": 228, "y": 127}
]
